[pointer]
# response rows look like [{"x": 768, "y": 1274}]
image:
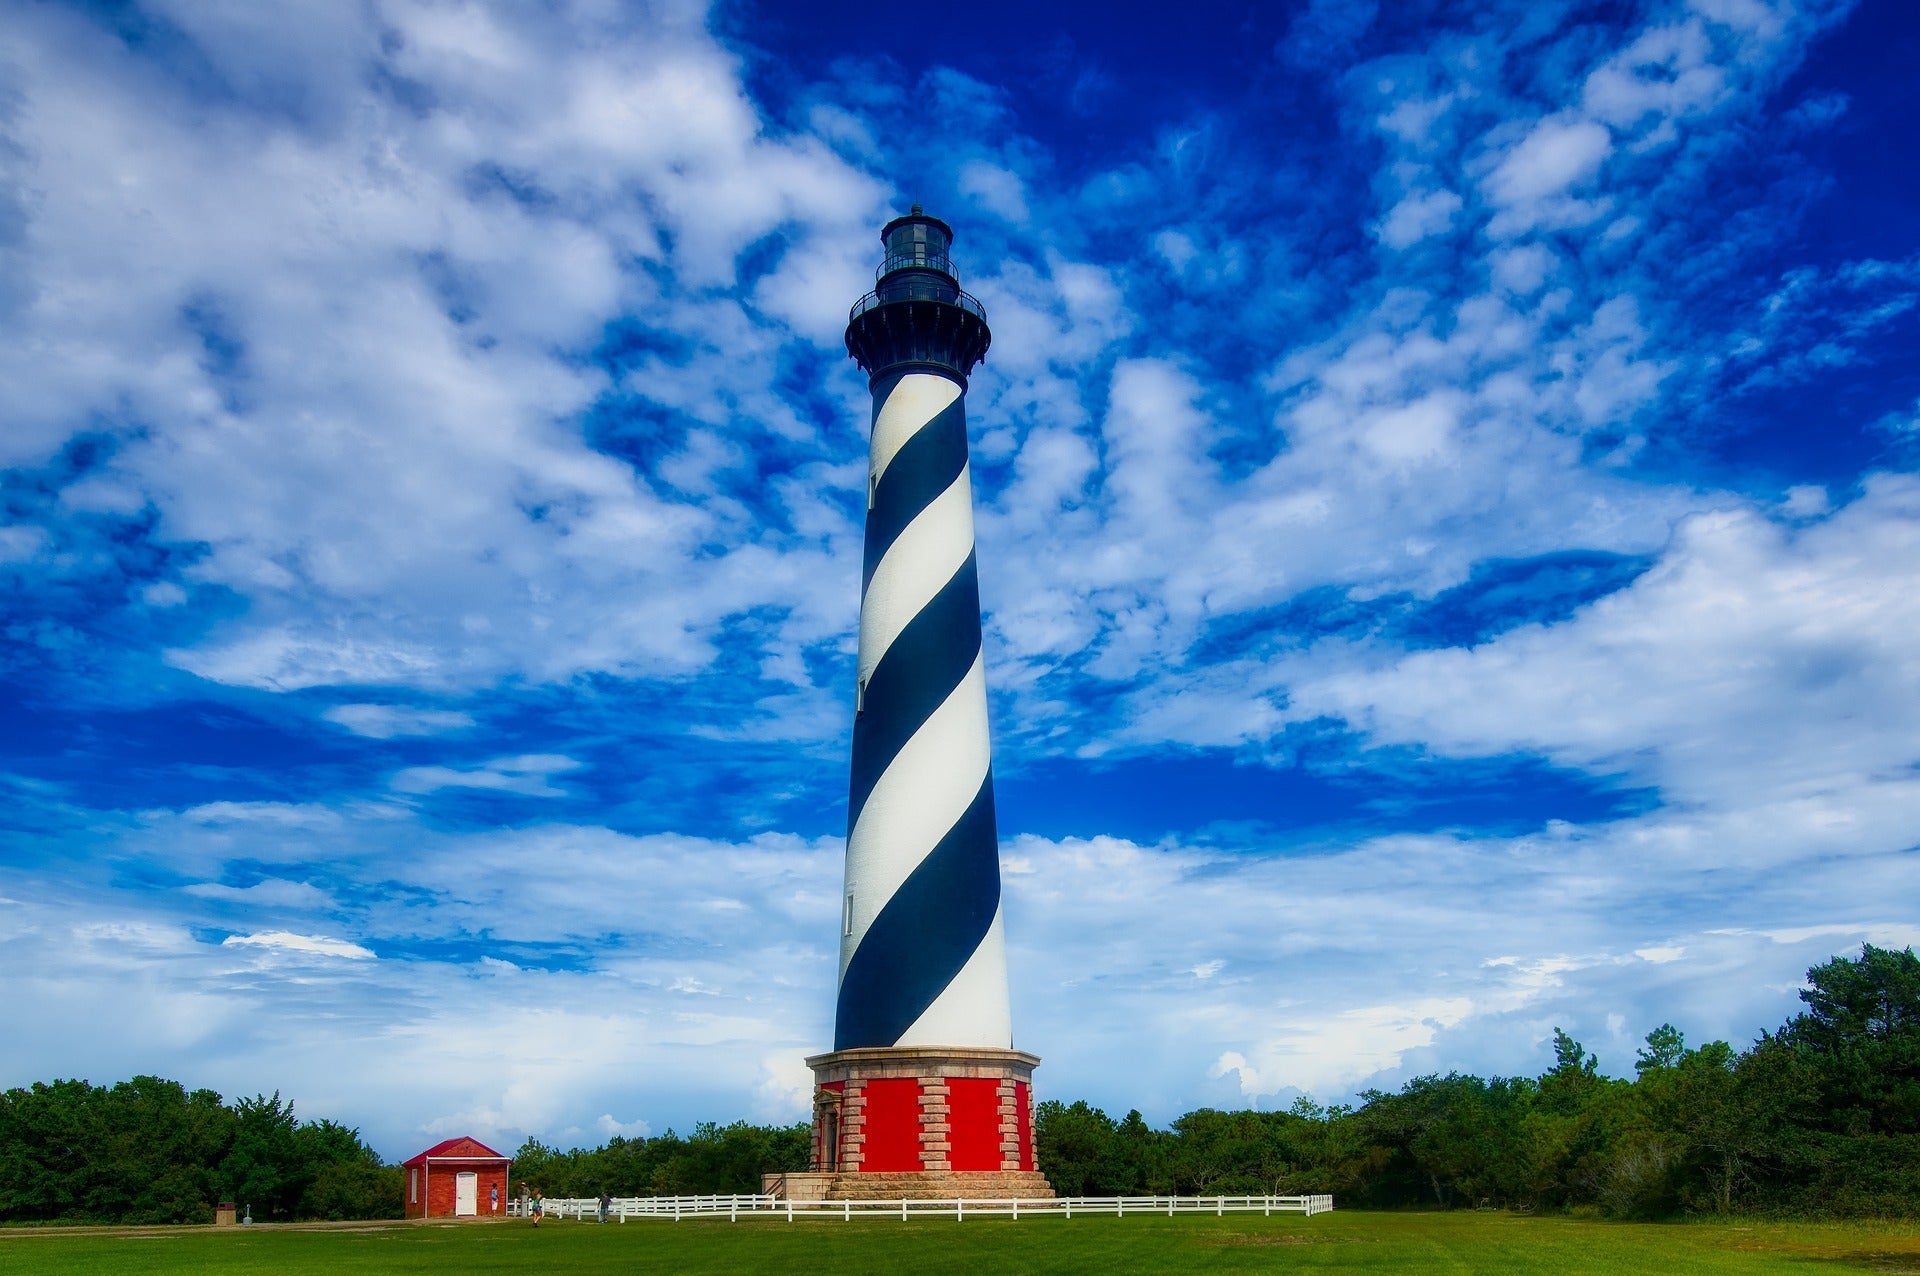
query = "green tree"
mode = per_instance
[
  {"x": 1141, "y": 1163},
  {"x": 1218, "y": 1152},
  {"x": 263, "y": 1168},
  {"x": 1665, "y": 1046},
  {"x": 355, "y": 1189},
  {"x": 1853, "y": 1000},
  {"x": 1075, "y": 1147}
]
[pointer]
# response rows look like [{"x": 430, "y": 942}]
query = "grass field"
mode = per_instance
[{"x": 1338, "y": 1242}]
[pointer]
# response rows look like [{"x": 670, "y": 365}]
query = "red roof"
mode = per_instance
[{"x": 462, "y": 1148}]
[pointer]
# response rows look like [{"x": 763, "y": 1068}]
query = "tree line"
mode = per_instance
[
  {"x": 1821, "y": 1117},
  {"x": 713, "y": 1159},
  {"x": 150, "y": 1151}
]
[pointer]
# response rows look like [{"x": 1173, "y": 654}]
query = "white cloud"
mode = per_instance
[
  {"x": 1667, "y": 72},
  {"x": 998, "y": 190},
  {"x": 530, "y": 775},
  {"x": 390, "y": 484},
  {"x": 163, "y": 594},
  {"x": 1554, "y": 154},
  {"x": 1171, "y": 956},
  {"x": 607, "y": 1127},
  {"x": 388, "y": 721},
  {"x": 307, "y": 945},
  {"x": 282, "y": 814},
  {"x": 271, "y": 892},
  {"x": 1751, "y": 656},
  {"x": 1523, "y": 269},
  {"x": 1332, "y": 1055},
  {"x": 20, "y": 543},
  {"x": 1418, "y": 216},
  {"x": 399, "y": 493}
]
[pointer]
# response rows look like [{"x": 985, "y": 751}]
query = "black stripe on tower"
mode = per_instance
[
  {"x": 924, "y": 467},
  {"x": 926, "y": 933},
  {"x": 920, "y": 670}
]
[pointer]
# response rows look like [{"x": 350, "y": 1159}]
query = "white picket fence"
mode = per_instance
[{"x": 734, "y": 1208}]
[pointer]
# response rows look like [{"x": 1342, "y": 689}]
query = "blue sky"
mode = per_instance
[{"x": 1447, "y": 503}]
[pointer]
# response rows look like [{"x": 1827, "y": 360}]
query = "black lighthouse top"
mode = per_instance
[{"x": 916, "y": 319}]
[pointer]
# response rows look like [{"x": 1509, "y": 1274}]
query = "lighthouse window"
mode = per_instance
[
  {"x": 873, "y": 487},
  {"x": 860, "y": 696},
  {"x": 846, "y": 922}
]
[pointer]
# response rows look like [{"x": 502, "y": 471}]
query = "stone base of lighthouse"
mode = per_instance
[{"x": 921, "y": 1121}]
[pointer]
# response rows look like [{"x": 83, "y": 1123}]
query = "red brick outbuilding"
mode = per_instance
[{"x": 460, "y": 1178}]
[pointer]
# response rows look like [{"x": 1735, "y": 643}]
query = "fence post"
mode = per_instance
[
  {"x": 959, "y": 1209},
  {"x": 1069, "y": 1207},
  {"x": 1220, "y": 1207},
  {"x": 846, "y": 1210},
  {"x": 903, "y": 1209},
  {"x": 789, "y": 1209},
  {"x": 1016, "y": 1207}
]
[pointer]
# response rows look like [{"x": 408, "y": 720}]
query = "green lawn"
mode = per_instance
[{"x": 1338, "y": 1242}]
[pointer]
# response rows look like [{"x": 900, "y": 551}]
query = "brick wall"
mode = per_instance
[
  {"x": 924, "y": 1110},
  {"x": 431, "y": 1189}
]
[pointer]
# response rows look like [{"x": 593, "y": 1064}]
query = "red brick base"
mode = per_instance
[{"x": 957, "y": 1117}]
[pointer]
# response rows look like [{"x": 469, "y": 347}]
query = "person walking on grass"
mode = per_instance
[
  {"x": 606, "y": 1202},
  {"x": 539, "y": 1207}
]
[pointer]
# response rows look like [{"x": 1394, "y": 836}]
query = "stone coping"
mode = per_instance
[{"x": 925, "y": 1056}]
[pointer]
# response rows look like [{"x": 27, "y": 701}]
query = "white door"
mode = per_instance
[{"x": 466, "y": 1194}]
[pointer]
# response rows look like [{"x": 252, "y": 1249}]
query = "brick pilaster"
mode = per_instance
[
  {"x": 853, "y": 1124},
  {"x": 1009, "y": 1126},
  {"x": 935, "y": 1127}
]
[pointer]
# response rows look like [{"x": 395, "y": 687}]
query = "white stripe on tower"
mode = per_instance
[
  {"x": 921, "y": 795},
  {"x": 924, "y": 558},
  {"x": 916, "y": 399},
  {"x": 944, "y": 765}
]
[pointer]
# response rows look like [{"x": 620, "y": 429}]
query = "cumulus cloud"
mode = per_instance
[
  {"x": 493, "y": 414},
  {"x": 1417, "y": 217},
  {"x": 392, "y": 293},
  {"x": 608, "y": 1127},
  {"x": 1552, "y": 156},
  {"x": 594, "y": 945},
  {"x": 1686, "y": 677},
  {"x": 998, "y": 190}
]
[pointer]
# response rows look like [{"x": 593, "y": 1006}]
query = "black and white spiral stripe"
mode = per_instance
[{"x": 922, "y": 957}]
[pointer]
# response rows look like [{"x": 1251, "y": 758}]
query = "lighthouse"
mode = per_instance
[{"x": 923, "y": 1092}]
